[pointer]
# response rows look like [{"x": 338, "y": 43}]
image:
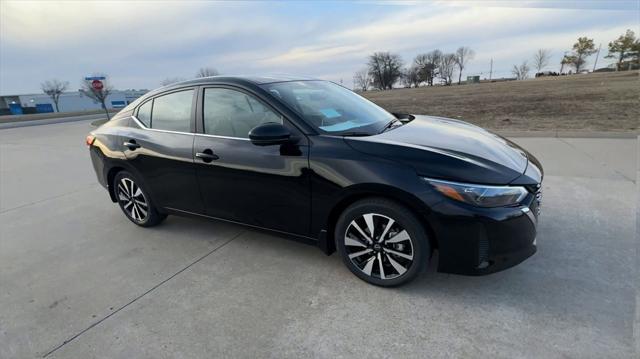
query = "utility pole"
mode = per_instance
[
  {"x": 598, "y": 54},
  {"x": 562, "y": 62},
  {"x": 490, "y": 69}
]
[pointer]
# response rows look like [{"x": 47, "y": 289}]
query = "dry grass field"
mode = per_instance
[{"x": 591, "y": 102}]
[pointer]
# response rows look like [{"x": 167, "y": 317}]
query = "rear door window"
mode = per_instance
[
  {"x": 144, "y": 113},
  {"x": 171, "y": 112}
]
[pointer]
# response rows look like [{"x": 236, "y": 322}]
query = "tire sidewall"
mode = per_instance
[{"x": 404, "y": 218}]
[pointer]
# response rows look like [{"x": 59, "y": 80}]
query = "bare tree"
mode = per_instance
[
  {"x": 541, "y": 59},
  {"x": 362, "y": 80},
  {"x": 171, "y": 80},
  {"x": 54, "y": 88},
  {"x": 463, "y": 56},
  {"x": 447, "y": 68},
  {"x": 428, "y": 66},
  {"x": 411, "y": 76},
  {"x": 207, "y": 71},
  {"x": 385, "y": 69},
  {"x": 521, "y": 72},
  {"x": 97, "y": 95}
]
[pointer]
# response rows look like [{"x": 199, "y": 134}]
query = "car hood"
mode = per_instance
[{"x": 448, "y": 149}]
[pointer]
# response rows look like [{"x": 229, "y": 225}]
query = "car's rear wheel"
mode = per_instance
[
  {"x": 135, "y": 201},
  {"x": 382, "y": 242}
]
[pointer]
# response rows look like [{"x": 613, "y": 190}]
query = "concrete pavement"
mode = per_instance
[{"x": 78, "y": 280}]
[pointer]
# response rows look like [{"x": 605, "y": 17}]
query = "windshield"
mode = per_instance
[{"x": 331, "y": 108}]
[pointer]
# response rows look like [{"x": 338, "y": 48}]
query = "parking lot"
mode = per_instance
[{"x": 78, "y": 280}]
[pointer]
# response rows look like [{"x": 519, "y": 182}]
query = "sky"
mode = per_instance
[{"x": 139, "y": 44}]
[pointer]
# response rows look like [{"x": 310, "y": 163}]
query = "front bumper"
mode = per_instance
[{"x": 478, "y": 241}]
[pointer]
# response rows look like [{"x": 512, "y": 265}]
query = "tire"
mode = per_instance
[
  {"x": 134, "y": 200},
  {"x": 402, "y": 249}
]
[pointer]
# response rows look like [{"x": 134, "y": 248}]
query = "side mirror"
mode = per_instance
[{"x": 270, "y": 133}]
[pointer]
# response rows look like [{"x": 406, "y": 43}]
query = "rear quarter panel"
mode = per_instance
[{"x": 107, "y": 147}]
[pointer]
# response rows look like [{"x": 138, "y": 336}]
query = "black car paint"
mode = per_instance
[
  {"x": 300, "y": 188},
  {"x": 448, "y": 149},
  {"x": 265, "y": 186}
]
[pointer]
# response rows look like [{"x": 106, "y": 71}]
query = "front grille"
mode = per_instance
[{"x": 483, "y": 252}]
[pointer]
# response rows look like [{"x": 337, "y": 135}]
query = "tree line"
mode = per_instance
[
  {"x": 384, "y": 70},
  {"x": 625, "y": 49}
]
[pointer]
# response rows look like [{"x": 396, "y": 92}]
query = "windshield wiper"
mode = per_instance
[{"x": 388, "y": 125}]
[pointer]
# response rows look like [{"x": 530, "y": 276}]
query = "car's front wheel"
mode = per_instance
[
  {"x": 135, "y": 201},
  {"x": 382, "y": 242}
]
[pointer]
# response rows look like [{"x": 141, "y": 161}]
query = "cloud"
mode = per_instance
[
  {"x": 140, "y": 43},
  {"x": 313, "y": 54},
  {"x": 507, "y": 34},
  {"x": 47, "y": 24}
]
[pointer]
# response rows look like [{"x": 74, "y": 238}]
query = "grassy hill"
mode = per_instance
[{"x": 591, "y": 102}]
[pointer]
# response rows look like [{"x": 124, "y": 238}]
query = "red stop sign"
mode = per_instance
[{"x": 97, "y": 85}]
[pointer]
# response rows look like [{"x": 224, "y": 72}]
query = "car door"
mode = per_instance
[
  {"x": 159, "y": 146},
  {"x": 264, "y": 186}
]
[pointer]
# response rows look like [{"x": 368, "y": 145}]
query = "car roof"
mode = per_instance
[
  {"x": 246, "y": 80},
  {"x": 241, "y": 79}
]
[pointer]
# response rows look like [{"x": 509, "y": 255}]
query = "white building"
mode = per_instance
[{"x": 68, "y": 102}]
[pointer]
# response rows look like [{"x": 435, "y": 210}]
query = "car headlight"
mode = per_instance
[{"x": 480, "y": 195}]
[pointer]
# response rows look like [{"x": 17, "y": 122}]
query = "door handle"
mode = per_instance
[
  {"x": 132, "y": 145},
  {"x": 207, "y": 156}
]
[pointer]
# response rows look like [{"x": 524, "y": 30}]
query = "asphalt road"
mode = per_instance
[{"x": 78, "y": 280}]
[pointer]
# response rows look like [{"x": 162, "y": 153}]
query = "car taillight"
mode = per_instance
[{"x": 90, "y": 139}]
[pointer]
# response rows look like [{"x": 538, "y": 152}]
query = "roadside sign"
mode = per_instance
[
  {"x": 91, "y": 78},
  {"x": 97, "y": 85}
]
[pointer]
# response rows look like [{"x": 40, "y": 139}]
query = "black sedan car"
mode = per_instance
[{"x": 312, "y": 160}]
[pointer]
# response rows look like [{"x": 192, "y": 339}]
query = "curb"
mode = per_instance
[{"x": 50, "y": 121}]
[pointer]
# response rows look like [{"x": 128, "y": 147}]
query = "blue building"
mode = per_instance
[{"x": 68, "y": 102}]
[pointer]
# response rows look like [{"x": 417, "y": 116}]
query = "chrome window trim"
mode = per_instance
[
  {"x": 142, "y": 126},
  {"x": 157, "y": 129},
  {"x": 226, "y": 137}
]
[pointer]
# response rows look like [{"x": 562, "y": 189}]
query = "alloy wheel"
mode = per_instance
[
  {"x": 133, "y": 200},
  {"x": 379, "y": 246}
]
